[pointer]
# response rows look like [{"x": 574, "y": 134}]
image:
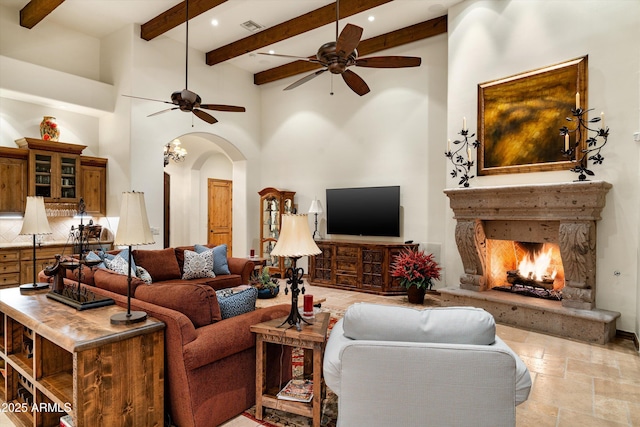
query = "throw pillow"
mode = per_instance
[
  {"x": 119, "y": 265},
  {"x": 237, "y": 303},
  {"x": 92, "y": 256},
  {"x": 143, "y": 274},
  {"x": 220, "y": 263},
  {"x": 198, "y": 265},
  {"x": 160, "y": 263},
  {"x": 124, "y": 253}
]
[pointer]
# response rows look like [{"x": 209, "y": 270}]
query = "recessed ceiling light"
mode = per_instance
[
  {"x": 371, "y": 18},
  {"x": 271, "y": 52},
  {"x": 214, "y": 22}
]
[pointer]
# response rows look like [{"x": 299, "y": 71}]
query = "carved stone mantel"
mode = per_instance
[{"x": 564, "y": 213}]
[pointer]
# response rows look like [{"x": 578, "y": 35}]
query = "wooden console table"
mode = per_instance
[
  {"x": 357, "y": 266},
  {"x": 60, "y": 361},
  {"x": 311, "y": 337}
]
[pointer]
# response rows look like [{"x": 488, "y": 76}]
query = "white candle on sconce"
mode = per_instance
[
  {"x": 602, "y": 120},
  {"x": 469, "y": 153},
  {"x": 566, "y": 142},
  {"x": 464, "y": 123},
  {"x": 577, "y": 100},
  {"x": 448, "y": 145}
]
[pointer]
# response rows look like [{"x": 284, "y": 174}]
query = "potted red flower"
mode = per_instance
[{"x": 416, "y": 271}]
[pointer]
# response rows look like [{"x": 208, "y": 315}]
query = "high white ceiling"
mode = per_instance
[{"x": 99, "y": 18}]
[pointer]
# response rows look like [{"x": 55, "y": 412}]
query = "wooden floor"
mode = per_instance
[{"x": 574, "y": 384}]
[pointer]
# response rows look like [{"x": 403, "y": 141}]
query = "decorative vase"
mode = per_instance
[
  {"x": 49, "y": 130},
  {"x": 415, "y": 295}
]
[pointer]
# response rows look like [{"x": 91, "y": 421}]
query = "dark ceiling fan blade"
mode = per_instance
[
  {"x": 305, "y": 79},
  {"x": 220, "y": 107},
  {"x": 147, "y": 99},
  {"x": 389, "y": 62},
  {"x": 348, "y": 40},
  {"x": 163, "y": 111},
  {"x": 205, "y": 116},
  {"x": 299, "y": 58},
  {"x": 355, "y": 82}
]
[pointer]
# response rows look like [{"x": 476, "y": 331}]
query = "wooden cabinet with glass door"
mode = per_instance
[
  {"x": 274, "y": 203},
  {"x": 53, "y": 169}
]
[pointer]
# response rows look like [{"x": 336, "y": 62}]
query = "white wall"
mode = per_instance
[
  {"x": 312, "y": 140},
  {"x": 49, "y": 45},
  {"x": 158, "y": 70},
  {"x": 19, "y": 119},
  {"x": 307, "y": 140},
  {"x": 493, "y": 39}
]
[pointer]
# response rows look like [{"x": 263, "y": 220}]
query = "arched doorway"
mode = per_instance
[{"x": 208, "y": 156}]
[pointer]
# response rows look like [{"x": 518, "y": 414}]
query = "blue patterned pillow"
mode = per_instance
[
  {"x": 237, "y": 303},
  {"x": 92, "y": 256},
  {"x": 220, "y": 265}
]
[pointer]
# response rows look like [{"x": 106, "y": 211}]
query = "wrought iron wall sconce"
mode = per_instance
[
  {"x": 596, "y": 140},
  {"x": 462, "y": 164}
]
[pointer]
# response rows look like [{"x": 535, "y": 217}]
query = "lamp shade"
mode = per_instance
[
  {"x": 316, "y": 207},
  {"x": 295, "y": 238},
  {"x": 35, "y": 217},
  {"x": 133, "y": 228}
]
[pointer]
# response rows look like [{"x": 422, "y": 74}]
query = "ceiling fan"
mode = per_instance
[
  {"x": 337, "y": 56},
  {"x": 188, "y": 101}
]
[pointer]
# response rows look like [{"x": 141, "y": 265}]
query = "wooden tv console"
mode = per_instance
[
  {"x": 58, "y": 361},
  {"x": 357, "y": 265}
]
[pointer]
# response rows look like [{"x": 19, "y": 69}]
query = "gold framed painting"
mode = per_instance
[{"x": 519, "y": 118}]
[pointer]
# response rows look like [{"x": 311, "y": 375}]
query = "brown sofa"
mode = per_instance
[{"x": 209, "y": 362}]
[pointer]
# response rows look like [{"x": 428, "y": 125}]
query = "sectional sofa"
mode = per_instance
[{"x": 209, "y": 361}]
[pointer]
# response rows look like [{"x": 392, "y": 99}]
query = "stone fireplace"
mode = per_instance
[{"x": 500, "y": 227}]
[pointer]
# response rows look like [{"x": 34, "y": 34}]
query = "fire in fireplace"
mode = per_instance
[{"x": 527, "y": 268}]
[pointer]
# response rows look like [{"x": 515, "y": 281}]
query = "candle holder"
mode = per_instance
[
  {"x": 596, "y": 140},
  {"x": 462, "y": 164}
]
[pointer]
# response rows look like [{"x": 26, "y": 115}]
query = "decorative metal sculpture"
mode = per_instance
[
  {"x": 462, "y": 165},
  {"x": 75, "y": 295},
  {"x": 595, "y": 142}
]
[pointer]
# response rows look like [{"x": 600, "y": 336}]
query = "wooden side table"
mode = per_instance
[{"x": 311, "y": 338}]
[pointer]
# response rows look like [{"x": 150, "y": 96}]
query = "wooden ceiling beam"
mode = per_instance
[
  {"x": 293, "y": 27},
  {"x": 36, "y": 10},
  {"x": 175, "y": 16},
  {"x": 423, "y": 30}
]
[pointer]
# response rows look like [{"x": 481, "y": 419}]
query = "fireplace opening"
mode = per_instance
[{"x": 526, "y": 268}]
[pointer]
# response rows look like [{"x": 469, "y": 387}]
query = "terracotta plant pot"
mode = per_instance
[{"x": 415, "y": 295}]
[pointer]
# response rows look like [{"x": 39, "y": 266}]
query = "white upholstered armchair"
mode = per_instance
[{"x": 397, "y": 366}]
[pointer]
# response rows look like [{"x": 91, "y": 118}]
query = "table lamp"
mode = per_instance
[
  {"x": 35, "y": 222},
  {"x": 295, "y": 241},
  {"x": 133, "y": 229},
  {"x": 316, "y": 208}
]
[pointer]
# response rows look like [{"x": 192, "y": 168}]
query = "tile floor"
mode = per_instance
[{"x": 574, "y": 384}]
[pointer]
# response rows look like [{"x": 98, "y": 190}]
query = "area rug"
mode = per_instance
[{"x": 276, "y": 418}]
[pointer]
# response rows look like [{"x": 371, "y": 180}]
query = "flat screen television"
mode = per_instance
[{"x": 365, "y": 211}]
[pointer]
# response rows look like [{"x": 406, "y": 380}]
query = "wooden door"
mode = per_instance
[
  {"x": 220, "y": 213},
  {"x": 167, "y": 209}
]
